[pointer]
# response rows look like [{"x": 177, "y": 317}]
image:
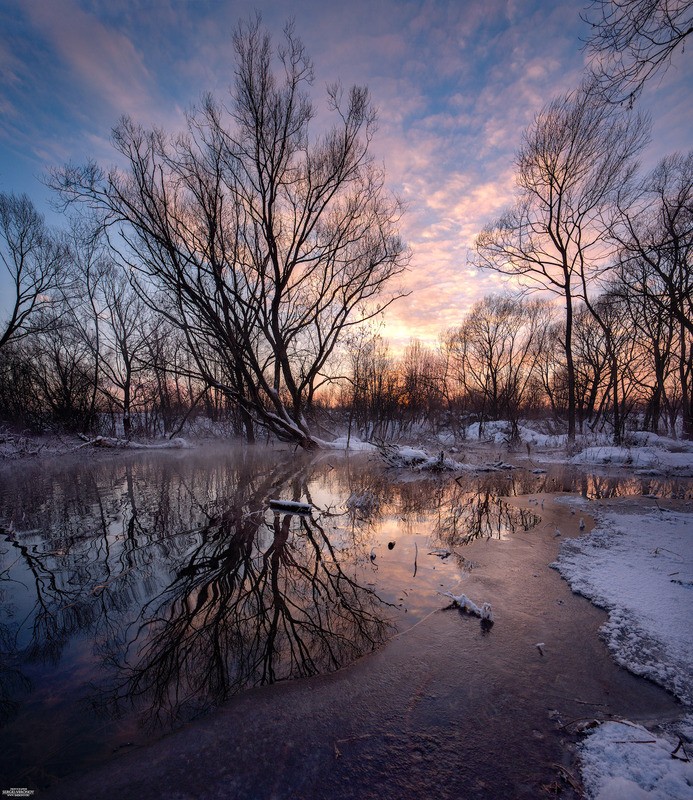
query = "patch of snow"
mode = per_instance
[
  {"x": 128, "y": 444},
  {"x": 500, "y": 432},
  {"x": 496, "y": 431},
  {"x": 645, "y": 438},
  {"x": 292, "y": 506},
  {"x": 465, "y": 604},
  {"x": 640, "y": 569},
  {"x": 537, "y": 439},
  {"x": 402, "y": 457},
  {"x": 345, "y": 443},
  {"x": 652, "y": 460},
  {"x": 618, "y": 456},
  {"x": 626, "y": 762}
]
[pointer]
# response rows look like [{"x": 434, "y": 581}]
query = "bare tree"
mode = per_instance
[
  {"x": 62, "y": 373},
  {"x": 373, "y": 392},
  {"x": 576, "y": 155},
  {"x": 264, "y": 244},
  {"x": 421, "y": 370},
  {"x": 82, "y": 294},
  {"x": 33, "y": 259},
  {"x": 654, "y": 232},
  {"x": 632, "y": 40},
  {"x": 591, "y": 367},
  {"x": 124, "y": 343},
  {"x": 497, "y": 349}
]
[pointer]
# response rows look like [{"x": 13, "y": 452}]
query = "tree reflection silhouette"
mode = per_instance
[
  {"x": 481, "y": 514},
  {"x": 261, "y": 597}
]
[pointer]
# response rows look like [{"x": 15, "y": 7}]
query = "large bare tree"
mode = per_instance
[
  {"x": 261, "y": 243},
  {"x": 632, "y": 40},
  {"x": 574, "y": 158}
]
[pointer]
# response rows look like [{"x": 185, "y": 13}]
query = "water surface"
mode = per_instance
[{"x": 141, "y": 591}]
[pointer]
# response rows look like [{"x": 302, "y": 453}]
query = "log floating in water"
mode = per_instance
[{"x": 292, "y": 506}]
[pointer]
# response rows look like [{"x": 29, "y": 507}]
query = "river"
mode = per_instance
[{"x": 142, "y": 593}]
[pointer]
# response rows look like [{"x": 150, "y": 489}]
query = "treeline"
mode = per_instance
[
  {"x": 91, "y": 356},
  {"x": 98, "y": 360},
  {"x": 506, "y": 362}
]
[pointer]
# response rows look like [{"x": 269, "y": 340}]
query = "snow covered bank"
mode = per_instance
[
  {"x": 347, "y": 443},
  {"x": 127, "y": 444},
  {"x": 652, "y": 458},
  {"x": 622, "y": 761},
  {"x": 501, "y": 432},
  {"x": 639, "y": 567}
]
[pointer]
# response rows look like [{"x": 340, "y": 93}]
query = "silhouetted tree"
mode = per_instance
[
  {"x": 632, "y": 40},
  {"x": 574, "y": 159},
  {"x": 265, "y": 245},
  {"x": 34, "y": 260},
  {"x": 654, "y": 232}
]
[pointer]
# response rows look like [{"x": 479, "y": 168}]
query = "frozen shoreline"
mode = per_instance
[{"x": 639, "y": 568}]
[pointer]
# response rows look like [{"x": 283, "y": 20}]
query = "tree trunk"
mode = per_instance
[{"x": 570, "y": 365}]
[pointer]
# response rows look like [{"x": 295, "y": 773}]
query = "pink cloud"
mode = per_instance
[{"x": 101, "y": 59}]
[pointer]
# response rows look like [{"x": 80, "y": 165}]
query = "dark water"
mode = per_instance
[{"x": 139, "y": 592}]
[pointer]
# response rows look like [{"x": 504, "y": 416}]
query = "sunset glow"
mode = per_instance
[{"x": 455, "y": 83}]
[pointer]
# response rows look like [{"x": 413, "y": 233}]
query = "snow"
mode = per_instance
[
  {"x": 345, "y": 443},
  {"x": 659, "y": 458},
  {"x": 127, "y": 444},
  {"x": 465, "y": 604},
  {"x": 401, "y": 456},
  {"x": 644, "y": 451},
  {"x": 294, "y": 506},
  {"x": 639, "y": 567},
  {"x": 500, "y": 432},
  {"x": 623, "y": 761}
]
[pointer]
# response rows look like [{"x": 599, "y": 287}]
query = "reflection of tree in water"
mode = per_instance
[
  {"x": 75, "y": 569},
  {"x": 249, "y": 598},
  {"x": 468, "y": 508},
  {"x": 13, "y": 682},
  {"x": 255, "y": 602},
  {"x": 482, "y": 514},
  {"x": 597, "y": 486}
]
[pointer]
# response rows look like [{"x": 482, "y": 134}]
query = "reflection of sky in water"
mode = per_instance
[{"x": 135, "y": 593}]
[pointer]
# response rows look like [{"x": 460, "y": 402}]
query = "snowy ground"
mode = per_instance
[
  {"x": 639, "y": 567},
  {"x": 623, "y": 761}
]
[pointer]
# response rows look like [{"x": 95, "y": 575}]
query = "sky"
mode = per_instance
[{"x": 455, "y": 81}]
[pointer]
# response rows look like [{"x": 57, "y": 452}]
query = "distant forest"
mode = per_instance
[{"x": 236, "y": 273}]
